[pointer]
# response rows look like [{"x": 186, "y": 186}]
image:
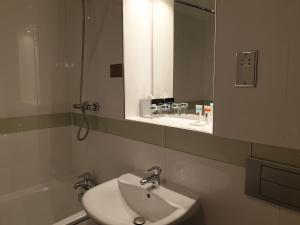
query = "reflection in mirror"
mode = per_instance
[
  {"x": 180, "y": 91},
  {"x": 193, "y": 53},
  {"x": 183, "y": 62}
]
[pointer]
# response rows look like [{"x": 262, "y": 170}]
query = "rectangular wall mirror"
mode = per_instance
[{"x": 180, "y": 90}]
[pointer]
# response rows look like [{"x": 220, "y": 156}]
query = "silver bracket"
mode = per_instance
[{"x": 246, "y": 74}]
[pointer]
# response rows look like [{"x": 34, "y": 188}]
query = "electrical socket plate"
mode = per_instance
[{"x": 246, "y": 74}]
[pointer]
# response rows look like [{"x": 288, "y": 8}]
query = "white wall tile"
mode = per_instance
[
  {"x": 227, "y": 197},
  {"x": 108, "y": 156},
  {"x": 189, "y": 171},
  {"x": 23, "y": 148},
  {"x": 144, "y": 156},
  {"x": 100, "y": 155},
  {"x": 103, "y": 35},
  {"x": 5, "y": 181},
  {"x": 220, "y": 185},
  {"x": 34, "y": 157},
  {"x": 12, "y": 213},
  {"x": 221, "y": 189},
  {"x": 5, "y": 159},
  {"x": 42, "y": 204},
  {"x": 25, "y": 175},
  {"x": 33, "y": 77}
]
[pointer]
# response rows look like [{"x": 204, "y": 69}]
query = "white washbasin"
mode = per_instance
[{"x": 119, "y": 201}]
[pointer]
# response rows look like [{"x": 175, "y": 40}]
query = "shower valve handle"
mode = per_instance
[
  {"x": 77, "y": 106},
  {"x": 85, "y": 106}
]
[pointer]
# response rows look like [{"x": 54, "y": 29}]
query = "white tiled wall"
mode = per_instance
[
  {"x": 39, "y": 205},
  {"x": 34, "y": 81},
  {"x": 36, "y": 177},
  {"x": 104, "y": 46},
  {"x": 220, "y": 185},
  {"x": 34, "y": 157},
  {"x": 33, "y": 76}
]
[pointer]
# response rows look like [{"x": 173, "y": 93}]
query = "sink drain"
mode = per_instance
[{"x": 139, "y": 221}]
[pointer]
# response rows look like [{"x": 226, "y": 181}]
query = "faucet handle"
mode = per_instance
[
  {"x": 156, "y": 170},
  {"x": 85, "y": 176}
]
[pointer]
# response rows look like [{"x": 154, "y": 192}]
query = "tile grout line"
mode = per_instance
[
  {"x": 217, "y": 156},
  {"x": 34, "y": 122}
]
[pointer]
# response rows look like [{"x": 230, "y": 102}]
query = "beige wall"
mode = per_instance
[{"x": 269, "y": 113}]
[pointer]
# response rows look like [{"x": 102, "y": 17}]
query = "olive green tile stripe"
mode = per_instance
[
  {"x": 276, "y": 154},
  {"x": 148, "y": 133},
  {"x": 144, "y": 132},
  {"x": 199, "y": 144},
  {"x": 208, "y": 146},
  {"x": 96, "y": 123},
  {"x": 195, "y": 143},
  {"x": 27, "y": 123}
]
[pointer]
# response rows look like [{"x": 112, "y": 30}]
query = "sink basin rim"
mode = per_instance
[{"x": 111, "y": 188}]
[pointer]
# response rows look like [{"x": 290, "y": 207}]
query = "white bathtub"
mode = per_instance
[{"x": 40, "y": 205}]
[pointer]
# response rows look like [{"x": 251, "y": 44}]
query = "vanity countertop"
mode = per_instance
[{"x": 182, "y": 123}]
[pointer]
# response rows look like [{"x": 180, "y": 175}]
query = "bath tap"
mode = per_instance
[
  {"x": 153, "y": 176},
  {"x": 86, "y": 181}
]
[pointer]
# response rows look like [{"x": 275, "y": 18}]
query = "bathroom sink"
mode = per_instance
[{"x": 120, "y": 201}]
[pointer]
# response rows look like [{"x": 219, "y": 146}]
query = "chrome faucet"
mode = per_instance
[
  {"x": 153, "y": 176},
  {"x": 86, "y": 181}
]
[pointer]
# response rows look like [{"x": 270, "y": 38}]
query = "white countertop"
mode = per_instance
[{"x": 170, "y": 121}]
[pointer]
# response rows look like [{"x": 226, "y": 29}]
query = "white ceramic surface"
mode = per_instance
[
  {"x": 119, "y": 201},
  {"x": 170, "y": 121},
  {"x": 220, "y": 185}
]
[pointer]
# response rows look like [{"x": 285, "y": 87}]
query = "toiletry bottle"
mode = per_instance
[
  {"x": 145, "y": 110},
  {"x": 199, "y": 112},
  {"x": 207, "y": 113}
]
